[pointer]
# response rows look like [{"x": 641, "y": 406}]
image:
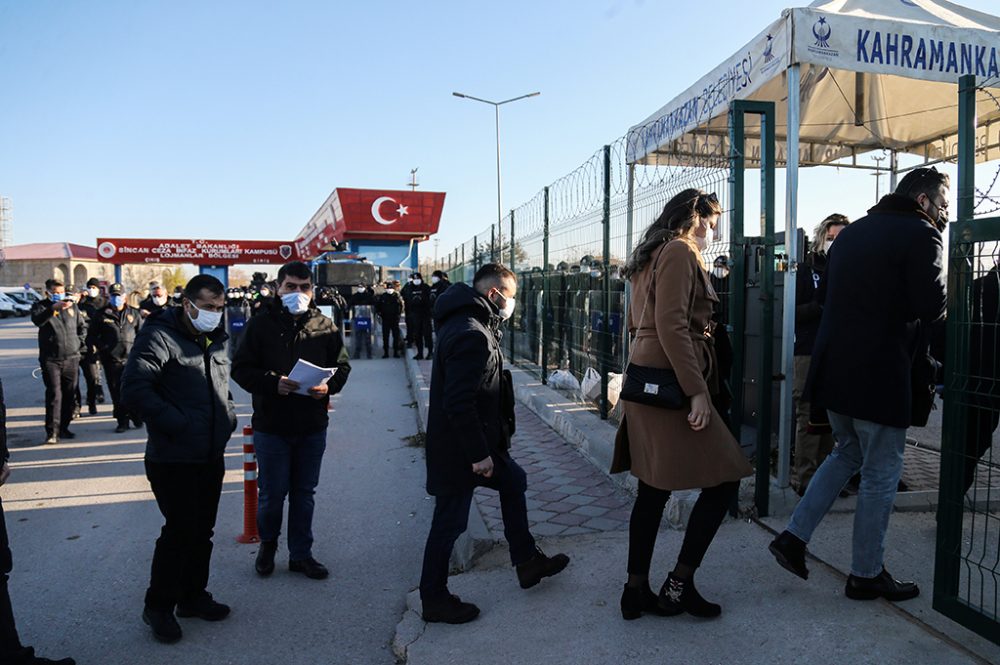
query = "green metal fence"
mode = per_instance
[{"x": 967, "y": 565}]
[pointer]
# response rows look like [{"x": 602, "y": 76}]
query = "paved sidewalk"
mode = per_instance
[{"x": 567, "y": 495}]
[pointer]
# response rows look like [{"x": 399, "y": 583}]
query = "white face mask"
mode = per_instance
[
  {"x": 507, "y": 310},
  {"x": 703, "y": 243},
  {"x": 720, "y": 272},
  {"x": 418, "y": 282},
  {"x": 826, "y": 246},
  {"x": 435, "y": 280},
  {"x": 159, "y": 301},
  {"x": 296, "y": 302},
  {"x": 265, "y": 293},
  {"x": 94, "y": 291},
  {"x": 206, "y": 321}
]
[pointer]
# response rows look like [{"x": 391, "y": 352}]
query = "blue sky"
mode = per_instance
[{"x": 237, "y": 119}]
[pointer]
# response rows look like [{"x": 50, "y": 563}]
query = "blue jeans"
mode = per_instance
[
  {"x": 877, "y": 452},
  {"x": 288, "y": 466}
]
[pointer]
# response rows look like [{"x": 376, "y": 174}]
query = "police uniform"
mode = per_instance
[{"x": 113, "y": 332}]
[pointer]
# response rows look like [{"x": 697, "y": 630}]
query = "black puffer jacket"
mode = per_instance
[
  {"x": 60, "y": 334},
  {"x": 272, "y": 343},
  {"x": 469, "y": 418},
  {"x": 178, "y": 382}
]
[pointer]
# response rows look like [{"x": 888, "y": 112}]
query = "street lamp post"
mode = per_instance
[{"x": 496, "y": 108}]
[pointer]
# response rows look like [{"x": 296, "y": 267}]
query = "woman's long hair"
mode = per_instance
[{"x": 679, "y": 216}]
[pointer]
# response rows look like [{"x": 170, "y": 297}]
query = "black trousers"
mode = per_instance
[
  {"x": 92, "y": 377},
  {"x": 451, "y": 518},
  {"x": 11, "y": 650},
  {"x": 113, "y": 370},
  {"x": 983, "y": 421},
  {"x": 188, "y": 497},
  {"x": 422, "y": 335},
  {"x": 647, "y": 513},
  {"x": 390, "y": 326},
  {"x": 61, "y": 378}
]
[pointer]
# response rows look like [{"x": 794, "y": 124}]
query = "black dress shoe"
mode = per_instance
[
  {"x": 136, "y": 422},
  {"x": 92, "y": 409},
  {"x": 121, "y": 428},
  {"x": 264, "y": 564},
  {"x": 539, "y": 566},
  {"x": 100, "y": 398},
  {"x": 204, "y": 607},
  {"x": 637, "y": 601},
  {"x": 310, "y": 567},
  {"x": 66, "y": 434},
  {"x": 677, "y": 595},
  {"x": 419, "y": 356},
  {"x": 883, "y": 586},
  {"x": 449, "y": 609},
  {"x": 790, "y": 553},
  {"x": 164, "y": 625}
]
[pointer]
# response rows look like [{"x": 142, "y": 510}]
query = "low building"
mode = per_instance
[{"x": 33, "y": 263}]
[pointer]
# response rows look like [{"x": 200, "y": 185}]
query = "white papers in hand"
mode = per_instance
[{"x": 308, "y": 375}]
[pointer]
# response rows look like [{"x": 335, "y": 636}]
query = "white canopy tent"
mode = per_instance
[{"x": 847, "y": 77}]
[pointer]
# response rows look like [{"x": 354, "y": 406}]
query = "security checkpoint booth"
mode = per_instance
[{"x": 821, "y": 86}]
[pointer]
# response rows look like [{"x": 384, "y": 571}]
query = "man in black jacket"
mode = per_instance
[
  {"x": 469, "y": 425},
  {"x": 90, "y": 305},
  {"x": 11, "y": 649},
  {"x": 289, "y": 420},
  {"x": 439, "y": 284},
  {"x": 112, "y": 332},
  {"x": 177, "y": 380},
  {"x": 155, "y": 301},
  {"x": 884, "y": 279},
  {"x": 61, "y": 334},
  {"x": 389, "y": 307}
]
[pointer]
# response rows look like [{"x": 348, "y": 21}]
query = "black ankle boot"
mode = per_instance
[
  {"x": 790, "y": 553},
  {"x": 678, "y": 596},
  {"x": 264, "y": 564},
  {"x": 637, "y": 601}
]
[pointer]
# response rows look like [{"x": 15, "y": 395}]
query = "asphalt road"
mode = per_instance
[{"x": 82, "y": 525}]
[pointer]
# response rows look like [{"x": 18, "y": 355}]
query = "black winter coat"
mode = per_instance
[
  {"x": 272, "y": 343},
  {"x": 61, "y": 335},
  {"x": 113, "y": 332},
  {"x": 178, "y": 382},
  {"x": 438, "y": 289},
  {"x": 884, "y": 274},
  {"x": 389, "y": 306},
  {"x": 469, "y": 418},
  {"x": 984, "y": 335},
  {"x": 807, "y": 309},
  {"x": 417, "y": 299}
]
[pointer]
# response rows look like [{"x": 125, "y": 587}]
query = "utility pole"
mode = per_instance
[{"x": 878, "y": 174}]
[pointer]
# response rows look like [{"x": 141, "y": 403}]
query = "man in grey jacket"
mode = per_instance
[{"x": 177, "y": 380}]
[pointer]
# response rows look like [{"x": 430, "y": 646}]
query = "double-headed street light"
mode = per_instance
[{"x": 496, "y": 107}]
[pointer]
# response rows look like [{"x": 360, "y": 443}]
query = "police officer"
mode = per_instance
[
  {"x": 90, "y": 304},
  {"x": 61, "y": 334},
  {"x": 389, "y": 307},
  {"x": 155, "y": 301},
  {"x": 439, "y": 284},
  {"x": 362, "y": 314},
  {"x": 112, "y": 333},
  {"x": 418, "y": 310}
]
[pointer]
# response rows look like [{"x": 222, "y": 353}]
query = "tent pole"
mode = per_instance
[
  {"x": 893, "y": 170},
  {"x": 786, "y": 414}
]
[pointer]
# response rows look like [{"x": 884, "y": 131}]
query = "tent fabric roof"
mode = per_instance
[
  {"x": 874, "y": 74},
  {"x": 44, "y": 251}
]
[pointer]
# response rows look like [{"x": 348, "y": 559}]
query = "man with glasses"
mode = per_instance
[
  {"x": 883, "y": 287},
  {"x": 289, "y": 420}
]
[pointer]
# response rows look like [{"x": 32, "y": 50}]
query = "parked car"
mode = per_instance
[
  {"x": 31, "y": 294},
  {"x": 11, "y": 307}
]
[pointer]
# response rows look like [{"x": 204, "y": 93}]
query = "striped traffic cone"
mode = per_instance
[{"x": 249, "y": 534}]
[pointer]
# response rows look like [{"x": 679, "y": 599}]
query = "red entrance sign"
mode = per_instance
[{"x": 199, "y": 252}]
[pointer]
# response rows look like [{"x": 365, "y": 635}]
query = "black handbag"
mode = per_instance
[{"x": 652, "y": 386}]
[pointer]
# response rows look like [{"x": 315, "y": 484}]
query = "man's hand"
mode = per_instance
[
  {"x": 287, "y": 386},
  {"x": 4, "y": 473},
  {"x": 319, "y": 392},
  {"x": 483, "y": 468},
  {"x": 62, "y": 305}
]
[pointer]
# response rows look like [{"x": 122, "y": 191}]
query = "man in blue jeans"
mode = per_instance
[
  {"x": 289, "y": 420},
  {"x": 884, "y": 286}
]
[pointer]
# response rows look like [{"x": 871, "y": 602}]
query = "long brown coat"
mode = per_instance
[{"x": 658, "y": 445}]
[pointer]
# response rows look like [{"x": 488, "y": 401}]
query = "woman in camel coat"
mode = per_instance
[{"x": 687, "y": 448}]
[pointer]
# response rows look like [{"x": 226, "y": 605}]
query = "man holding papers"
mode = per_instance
[{"x": 290, "y": 340}]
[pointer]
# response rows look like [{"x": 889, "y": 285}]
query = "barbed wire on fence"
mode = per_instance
[{"x": 988, "y": 199}]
